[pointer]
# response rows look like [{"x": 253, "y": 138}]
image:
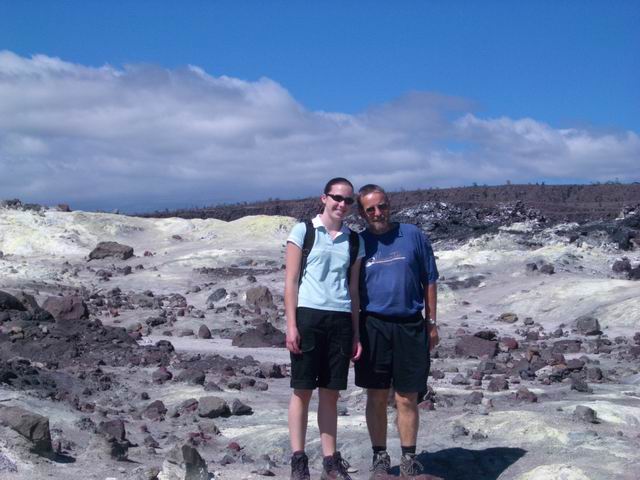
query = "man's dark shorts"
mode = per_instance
[
  {"x": 395, "y": 352},
  {"x": 325, "y": 340}
]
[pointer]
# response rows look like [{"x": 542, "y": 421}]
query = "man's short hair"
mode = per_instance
[{"x": 370, "y": 188}]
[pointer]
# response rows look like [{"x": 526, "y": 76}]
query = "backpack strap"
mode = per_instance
[
  {"x": 354, "y": 246},
  {"x": 307, "y": 245}
]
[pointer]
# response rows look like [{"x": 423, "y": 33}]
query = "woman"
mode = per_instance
[{"x": 321, "y": 307}]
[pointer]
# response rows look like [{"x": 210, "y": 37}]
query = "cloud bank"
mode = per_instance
[{"x": 143, "y": 137}]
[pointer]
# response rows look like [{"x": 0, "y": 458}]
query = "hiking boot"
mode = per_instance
[
  {"x": 410, "y": 467},
  {"x": 381, "y": 465},
  {"x": 300, "y": 467},
  {"x": 335, "y": 468}
]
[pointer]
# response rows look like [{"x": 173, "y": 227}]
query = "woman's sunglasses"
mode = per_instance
[{"x": 340, "y": 198}]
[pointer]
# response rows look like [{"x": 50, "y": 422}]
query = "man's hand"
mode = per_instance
[
  {"x": 434, "y": 338},
  {"x": 356, "y": 349},
  {"x": 293, "y": 340}
]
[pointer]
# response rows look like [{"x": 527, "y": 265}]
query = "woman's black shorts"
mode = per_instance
[
  {"x": 394, "y": 351},
  {"x": 326, "y": 341}
]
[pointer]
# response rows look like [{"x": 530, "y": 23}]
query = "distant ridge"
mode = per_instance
[{"x": 577, "y": 203}]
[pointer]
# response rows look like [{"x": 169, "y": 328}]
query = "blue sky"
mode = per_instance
[{"x": 566, "y": 66}]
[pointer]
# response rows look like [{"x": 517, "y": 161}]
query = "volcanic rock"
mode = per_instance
[
  {"x": 213, "y": 407},
  {"x": 622, "y": 265},
  {"x": 259, "y": 296},
  {"x": 497, "y": 384},
  {"x": 192, "y": 376},
  {"x": 587, "y": 325},
  {"x": 155, "y": 410},
  {"x": 216, "y": 296},
  {"x": 475, "y": 347},
  {"x": 66, "y": 309},
  {"x": 508, "y": 318},
  {"x": 9, "y": 302},
  {"x": 111, "y": 249},
  {"x": 264, "y": 335},
  {"x": 585, "y": 414},
  {"x": 30, "y": 425},
  {"x": 204, "y": 332},
  {"x": 239, "y": 408},
  {"x": 161, "y": 375},
  {"x": 525, "y": 395}
]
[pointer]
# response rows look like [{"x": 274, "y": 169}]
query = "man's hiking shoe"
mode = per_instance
[
  {"x": 335, "y": 468},
  {"x": 410, "y": 467},
  {"x": 381, "y": 465},
  {"x": 300, "y": 467}
]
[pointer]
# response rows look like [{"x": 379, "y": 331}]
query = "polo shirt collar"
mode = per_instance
[{"x": 317, "y": 223}]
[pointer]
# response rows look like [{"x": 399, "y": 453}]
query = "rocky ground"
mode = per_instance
[{"x": 138, "y": 348}]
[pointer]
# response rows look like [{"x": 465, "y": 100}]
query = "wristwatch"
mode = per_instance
[{"x": 431, "y": 321}]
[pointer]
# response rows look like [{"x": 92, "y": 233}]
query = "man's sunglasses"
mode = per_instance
[
  {"x": 340, "y": 198},
  {"x": 381, "y": 206}
]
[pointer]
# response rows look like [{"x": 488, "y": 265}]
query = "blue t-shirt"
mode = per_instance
[
  {"x": 324, "y": 285},
  {"x": 397, "y": 265}
]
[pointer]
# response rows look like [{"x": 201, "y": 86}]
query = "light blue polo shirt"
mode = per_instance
[{"x": 324, "y": 283}]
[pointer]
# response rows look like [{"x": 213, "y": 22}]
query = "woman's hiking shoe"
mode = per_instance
[
  {"x": 300, "y": 466},
  {"x": 409, "y": 466},
  {"x": 381, "y": 465},
  {"x": 335, "y": 468}
]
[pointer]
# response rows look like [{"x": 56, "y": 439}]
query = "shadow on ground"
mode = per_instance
[{"x": 464, "y": 464}]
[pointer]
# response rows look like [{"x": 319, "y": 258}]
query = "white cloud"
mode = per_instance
[{"x": 145, "y": 137}]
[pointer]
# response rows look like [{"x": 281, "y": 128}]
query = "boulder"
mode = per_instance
[
  {"x": 508, "y": 317},
  {"x": 263, "y": 335},
  {"x": 30, "y": 425},
  {"x": 192, "y": 376},
  {"x": 155, "y": 411},
  {"x": 216, "y": 296},
  {"x": 66, "y": 309},
  {"x": 204, "y": 332},
  {"x": 213, "y": 407},
  {"x": 587, "y": 325},
  {"x": 239, "y": 408},
  {"x": 9, "y": 302},
  {"x": 585, "y": 414},
  {"x": 111, "y": 249},
  {"x": 259, "y": 296},
  {"x": 475, "y": 347}
]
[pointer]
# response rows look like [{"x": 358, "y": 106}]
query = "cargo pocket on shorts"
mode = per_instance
[{"x": 345, "y": 338}]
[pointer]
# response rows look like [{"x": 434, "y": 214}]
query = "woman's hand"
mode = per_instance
[
  {"x": 356, "y": 349},
  {"x": 293, "y": 340}
]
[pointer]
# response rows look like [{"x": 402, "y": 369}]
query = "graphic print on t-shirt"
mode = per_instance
[{"x": 391, "y": 257}]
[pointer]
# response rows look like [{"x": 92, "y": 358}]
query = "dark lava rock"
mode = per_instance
[
  {"x": 579, "y": 385},
  {"x": 475, "y": 398},
  {"x": 567, "y": 346},
  {"x": 259, "y": 296},
  {"x": 587, "y": 325},
  {"x": 216, "y": 296},
  {"x": 213, "y": 407},
  {"x": 437, "y": 374},
  {"x": 459, "y": 431},
  {"x": 497, "y": 384},
  {"x": 115, "y": 434},
  {"x": 509, "y": 343},
  {"x": 508, "y": 318},
  {"x": 66, "y": 309},
  {"x": 31, "y": 426},
  {"x": 264, "y": 335},
  {"x": 620, "y": 266},
  {"x": 486, "y": 334},
  {"x": 585, "y": 414},
  {"x": 547, "y": 269},
  {"x": 155, "y": 410},
  {"x": 194, "y": 465},
  {"x": 161, "y": 375},
  {"x": 525, "y": 395},
  {"x": 460, "y": 379},
  {"x": 634, "y": 273},
  {"x": 271, "y": 370},
  {"x": 594, "y": 374},
  {"x": 469, "y": 282},
  {"x": 192, "y": 376},
  {"x": 204, "y": 332},
  {"x": 9, "y": 302},
  {"x": 239, "y": 408},
  {"x": 475, "y": 347},
  {"x": 111, "y": 249}
]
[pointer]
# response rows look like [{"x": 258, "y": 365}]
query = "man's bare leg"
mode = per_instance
[
  {"x": 376, "y": 414},
  {"x": 408, "y": 418}
]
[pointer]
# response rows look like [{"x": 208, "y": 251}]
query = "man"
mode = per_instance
[{"x": 397, "y": 281}]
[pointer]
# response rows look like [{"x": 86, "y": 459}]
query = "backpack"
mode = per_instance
[{"x": 307, "y": 245}]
